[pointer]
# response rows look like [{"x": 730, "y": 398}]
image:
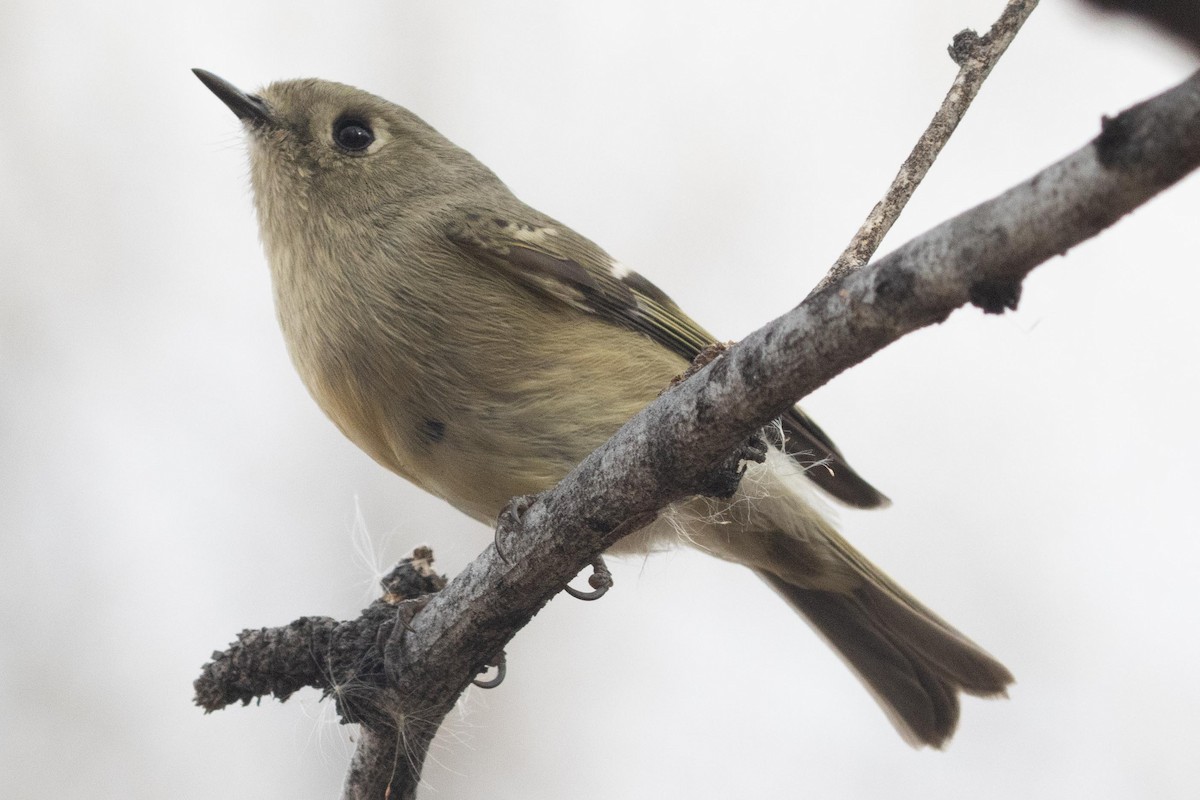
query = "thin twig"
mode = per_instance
[{"x": 976, "y": 56}]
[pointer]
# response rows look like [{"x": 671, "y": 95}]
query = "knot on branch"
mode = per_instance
[
  {"x": 345, "y": 660},
  {"x": 964, "y": 46},
  {"x": 412, "y": 578},
  {"x": 995, "y": 295},
  {"x": 703, "y": 359}
]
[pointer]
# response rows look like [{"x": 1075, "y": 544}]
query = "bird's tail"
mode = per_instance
[{"x": 913, "y": 663}]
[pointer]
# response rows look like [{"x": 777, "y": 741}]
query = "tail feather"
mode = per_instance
[{"x": 914, "y": 663}]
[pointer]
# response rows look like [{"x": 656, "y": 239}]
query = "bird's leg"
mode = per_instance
[
  {"x": 510, "y": 520},
  {"x": 724, "y": 480},
  {"x": 601, "y": 579}
]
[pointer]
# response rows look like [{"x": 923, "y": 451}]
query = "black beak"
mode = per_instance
[{"x": 248, "y": 107}]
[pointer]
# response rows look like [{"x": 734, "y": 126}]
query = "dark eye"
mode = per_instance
[{"x": 352, "y": 134}]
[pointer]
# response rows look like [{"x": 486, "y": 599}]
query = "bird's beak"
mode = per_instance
[{"x": 247, "y": 106}]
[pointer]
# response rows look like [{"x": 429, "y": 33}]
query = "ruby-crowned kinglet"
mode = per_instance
[{"x": 481, "y": 349}]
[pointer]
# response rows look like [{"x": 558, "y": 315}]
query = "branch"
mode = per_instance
[
  {"x": 976, "y": 56},
  {"x": 345, "y": 661},
  {"x": 660, "y": 455},
  {"x": 666, "y": 452}
]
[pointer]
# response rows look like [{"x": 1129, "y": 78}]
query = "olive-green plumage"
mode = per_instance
[{"x": 481, "y": 349}]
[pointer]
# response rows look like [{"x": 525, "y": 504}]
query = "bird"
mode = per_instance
[{"x": 481, "y": 349}]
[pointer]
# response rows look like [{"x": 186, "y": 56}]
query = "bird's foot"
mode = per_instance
[
  {"x": 500, "y": 662},
  {"x": 724, "y": 480},
  {"x": 510, "y": 521},
  {"x": 600, "y": 580}
]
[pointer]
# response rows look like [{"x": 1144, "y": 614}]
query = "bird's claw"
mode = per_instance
[
  {"x": 501, "y": 665},
  {"x": 724, "y": 480},
  {"x": 755, "y": 448},
  {"x": 509, "y": 521},
  {"x": 600, "y": 580}
]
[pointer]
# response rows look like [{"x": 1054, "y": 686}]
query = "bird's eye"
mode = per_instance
[{"x": 352, "y": 134}]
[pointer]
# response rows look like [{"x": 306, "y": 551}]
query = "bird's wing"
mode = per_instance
[
  {"x": 555, "y": 261},
  {"x": 558, "y": 263}
]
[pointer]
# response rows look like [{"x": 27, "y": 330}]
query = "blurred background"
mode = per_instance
[{"x": 167, "y": 482}]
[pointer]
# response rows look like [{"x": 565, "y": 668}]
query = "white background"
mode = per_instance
[{"x": 166, "y": 481}]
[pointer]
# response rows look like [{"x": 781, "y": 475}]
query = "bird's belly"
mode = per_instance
[
  {"x": 493, "y": 445},
  {"x": 479, "y": 420},
  {"x": 492, "y": 452}
]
